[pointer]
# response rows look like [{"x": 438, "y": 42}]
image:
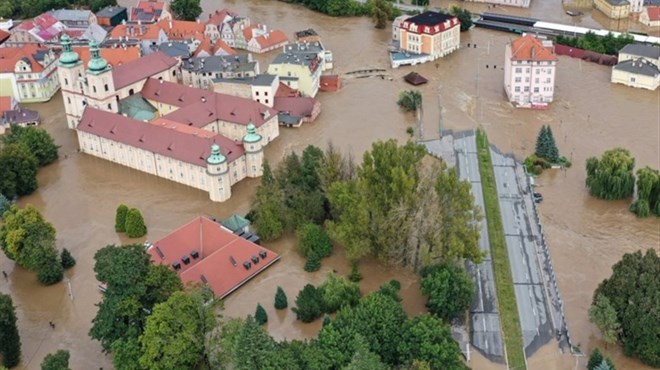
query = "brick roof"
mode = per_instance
[
  {"x": 221, "y": 255},
  {"x": 10, "y": 56},
  {"x": 219, "y": 16},
  {"x": 180, "y": 30},
  {"x": 529, "y": 47},
  {"x": 272, "y": 38},
  {"x": 163, "y": 137},
  {"x": 201, "y": 107},
  {"x": 114, "y": 56},
  {"x": 4, "y": 35},
  {"x": 653, "y": 12},
  {"x": 136, "y": 31},
  {"x": 145, "y": 67},
  {"x": 5, "y": 103},
  {"x": 147, "y": 10}
]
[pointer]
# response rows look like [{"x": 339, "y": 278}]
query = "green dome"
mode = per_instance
[
  {"x": 96, "y": 63},
  {"x": 216, "y": 156},
  {"x": 68, "y": 57},
  {"x": 251, "y": 136}
]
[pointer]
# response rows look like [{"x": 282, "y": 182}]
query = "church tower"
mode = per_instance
[
  {"x": 254, "y": 152},
  {"x": 70, "y": 72},
  {"x": 99, "y": 85},
  {"x": 217, "y": 169}
]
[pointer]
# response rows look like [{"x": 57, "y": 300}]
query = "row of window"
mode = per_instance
[
  {"x": 536, "y": 80},
  {"x": 536, "y": 89}
]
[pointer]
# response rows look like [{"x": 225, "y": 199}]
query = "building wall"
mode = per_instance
[
  {"x": 235, "y": 131},
  {"x": 636, "y": 6},
  {"x": 265, "y": 94},
  {"x": 8, "y": 86},
  {"x": 644, "y": 19},
  {"x": 255, "y": 47},
  {"x": 308, "y": 82},
  {"x": 235, "y": 89},
  {"x": 611, "y": 11},
  {"x": 529, "y": 82},
  {"x": 517, "y": 3},
  {"x": 625, "y": 56},
  {"x": 635, "y": 80},
  {"x": 438, "y": 45},
  {"x": 33, "y": 87},
  {"x": 204, "y": 80}
]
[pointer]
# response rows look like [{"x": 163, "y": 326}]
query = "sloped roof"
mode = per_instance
[
  {"x": 71, "y": 15},
  {"x": 136, "y": 31},
  {"x": 219, "y": 16},
  {"x": 272, "y": 38},
  {"x": 235, "y": 222},
  {"x": 147, "y": 10},
  {"x": 295, "y": 106},
  {"x": 28, "y": 52},
  {"x": 6, "y": 103},
  {"x": 647, "y": 51},
  {"x": 528, "y": 48},
  {"x": 221, "y": 255},
  {"x": 638, "y": 66},
  {"x": 4, "y": 35},
  {"x": 653, "y": 12},
  {"x": 110, "y": 11},
  {"x": 141, "y": 68},
  {"x": 180, "y": 30},
  {"x": 201, "y": 107},
  {"x": 114, "y": 56}
]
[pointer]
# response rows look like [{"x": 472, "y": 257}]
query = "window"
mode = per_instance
[
  {"x": 266, "y": 101},
  {"x": 131, "y": 92},
  {"x": 526, "y": 79},
  {"x": 518, "y": 70},
  {"x": 517, "y": 89},
  {"x": 536, "y": 89},
  {"x": 632, "y": 79},
  {"x": 538, "y": 71},
  {"x": 109, "y": 106},
  {"x": 536, "y": 80},
  {"x": 257, "y": 93},
  {"x": 518, "y": 79},
  {"x": 526, "y": 88},
  {"x": 547, "y": 80},
  {"x": 68, "y": 99},
  {"x": 94, "y": 88},
  {"x": 527, "y": 70},
  {"x": 174, "y": 73},
  {"x": 106, "y": 87},
  {"x": 66, "y": 82},
  {"x": 266, "y": 93}
]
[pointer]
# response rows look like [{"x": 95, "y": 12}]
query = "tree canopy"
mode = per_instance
[
  {"x": 56, "y": 361},
  {"x": 546, "y": 147},
  {"x": 603, "y": 315},
  {"x": 382, "y": 12},
  {"x": 37, "y": 141},
  {"x": 410, "y": 100},
  {"x": 268, "y": 207},
  {"x": 120, "y": 218},
  {"x": 280, "y": 299},
  {"x": 449, "y": 290},
  {"x": 648, "y": 193},
  {"x": 32, "y": 8},
  {"x": 463, "y": 15},
  {"x": 429, "y": 339},
  {"x": 10, "y": 342},
  {"x": 337, "y": 292},
  {"x": 611, "y": 177},
  {"x": 135, "y": 227},
  {"x": 18, "y": 170},
  {"x": 186, "y": 10},
  {"x": 633, "y": 291}
]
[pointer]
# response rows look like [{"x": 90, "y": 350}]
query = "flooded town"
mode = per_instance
[{"x": 583, "y": 236}]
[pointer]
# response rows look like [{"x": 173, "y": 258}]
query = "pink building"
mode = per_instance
[{"x": 529, "y": 72}]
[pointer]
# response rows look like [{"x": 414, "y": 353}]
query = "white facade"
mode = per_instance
[
  {"x": 516, "y": 3},
  {"x": 529, "y": 81}
]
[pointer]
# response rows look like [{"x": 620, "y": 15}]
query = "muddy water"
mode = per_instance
[{"x": 78, "y": 194}]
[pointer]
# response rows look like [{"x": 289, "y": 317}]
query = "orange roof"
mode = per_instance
[
  {"x": 134, "y": 31},
  {"x": 274, "y": 37},
  {"x": 10, "y": 56},
  {"x": 114, "y": 56},
  {"x": 4, "y": 35},
  {"x": 247, "y": 32},
  {"x": 179, "y": 30},
  {"x": 653, "y": 12},
  {"x": 215, "y": 257},
  {"x": 529, "y": 47},
  {"x": 221, "y": 45},
  {"x": 219, "y": 16},
  {"x": 5, "y": 103},
  {"x": 211, "y": 48}
]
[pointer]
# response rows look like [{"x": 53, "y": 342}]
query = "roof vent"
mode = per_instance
[
  {"x": 232, "y": 260},
  {"x": 255, "y": 259},
  {"x": 247, "y": 265},
  {"x": 185, "y": 260},
  {"x": 263, "y": 254},
  {"x": 194, "y": 254},
  {"x": 203, "y": 279},
  {"x": 160, "y": 253},
  {"x": 176, "y": 265},
  {"x": 203, "y": 99}
]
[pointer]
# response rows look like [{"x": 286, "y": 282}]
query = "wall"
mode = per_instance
[{"x": 635, "y": 80}]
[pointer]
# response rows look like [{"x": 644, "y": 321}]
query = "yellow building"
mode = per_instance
[
  {"x": 615, "y": 9},
  {"x": 300, "y": 71},
  {"x": 27, "y": 73},
  {"x": 430, "y": 33}
]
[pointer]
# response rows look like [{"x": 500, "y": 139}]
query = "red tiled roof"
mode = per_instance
[
  {"x": 219, "y": 16},
  {"x": 248, "y": 32},
  {"x": 140, "y": 69},
  {"x": 4, "y": 35},
  {"x": 154, "y": 8},
  {"x": 26, "y": 25},
  {"x": 211, "y": 48},
  {"x": 201, "y": 107},
  {"x": 5, "y": 103},
  {"x": 166, "y": 140},
  {"x": 181, "y": 30},
  {"x": 295, "y": 106},
  {"x": 10, "y": 56},
  {"x": 45, "y": 21},
  {"x": 283, "y": 91},
  {"x": 134, "y": 31},
  {"x": 221, "y": 255},
  {"x": 272, "y": 38},
  {"x": 529, "y": 47},
  {"x": 653, "y": 12},
  {"x": 114, "y": 56}
]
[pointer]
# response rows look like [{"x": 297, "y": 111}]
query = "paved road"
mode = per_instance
[{"x": 461, "y": 150}]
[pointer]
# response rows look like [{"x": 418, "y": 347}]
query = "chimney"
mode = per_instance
[{"x": 170, "y": 23}]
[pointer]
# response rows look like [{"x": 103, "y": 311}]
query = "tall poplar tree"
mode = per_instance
[{"x": 10, "y": 342}]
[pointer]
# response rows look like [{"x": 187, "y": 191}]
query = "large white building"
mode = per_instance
[
  {"x": 529, "y": 72},
  {"x": 135, "y": 116},
  {"x": 639, "y": 66}
]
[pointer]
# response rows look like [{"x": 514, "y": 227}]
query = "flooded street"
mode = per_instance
[{"x": 79, "y": 193}]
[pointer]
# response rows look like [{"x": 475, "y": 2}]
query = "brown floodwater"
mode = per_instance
[{"x": 79, "y": 193}]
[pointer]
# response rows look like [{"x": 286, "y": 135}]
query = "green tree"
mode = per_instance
[
  {"x": 603, "y": 315},
  {"x": 449, "y": 290},
  {"x": 120, "y": 218},
  {"x": 56, "y": 361},
  {"x": 463, "y": 15},
  {"x": 126, "y": 353},
  {"x": 546, "y": 147},
  {"x": 611, "y": 177},
  {"x": 18, "y": 171},
  {"x": 410, "y": 100},
  {"x": 313, "y": 262},
  {"x": 260, "y": 315},
  {"x": 268, "y": 207},
  {"x": 10, "y": 342},
  {"x": 429, "y": 339},
  {"x": 595, "y": 359},
  {"x": 67, "y": 259},
  {"x": 174, "y": 333},
  {"x": 363, "y": 359},
  {"x": 280, "y": 299},
  {"x": 633, "y": 289},
  {"x": 135, "y": 227},
  {"x": 254, "y": 349},
  {"x": 313, "y": 240},
  {"x": 4, "y": 204},
  {"x": 381, "y": 12},
  {"x": 309, "y": 304},
  {"x": 648, "y": 193},
  {"x": 338, "y": 292},
  {"x": 186, "y": 10},
  {"x": 50, "y": 271},
  {"x": 37, "y": 141}
]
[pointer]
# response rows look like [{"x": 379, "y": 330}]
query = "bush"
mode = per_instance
[
  {"x": 309, "y": 304},
  {"x": 4, "y": 204},
  {"x": 10, "y": 341},
  {"x": 391, "y": 289},
  {"x": 338, "y": 292},
  {"x": 120, "y": 218},
  {"x": 56, "y": 361},
  {"x": 281, "y": 301},
  {"x": 135, "y": 227},
  {"x": 611, "y": 177},
  {"x": 313, "y": 263},
  {"x": 355, "y": 275},
  {"x": 535, "y": 165},
  {"x": 67, "y": 259},
  {"x": 410, "y": 100},
  {"x": 260, "y": 315},
  {"x": 50, "y": 272},
  {"x": 313, "y": 240}
]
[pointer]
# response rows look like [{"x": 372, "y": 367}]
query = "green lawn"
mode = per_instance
[{"x": 506, "y": 296}]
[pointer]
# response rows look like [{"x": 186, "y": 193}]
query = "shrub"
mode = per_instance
[
  {"x": 50, "y": 272},
  {"x": 135, "y": 227},
  {"x": 313, "y": 263},
  {"x": 355, "y": 275},
  {"x": 120, "y": 218},
  {"x": 611, "y": 177},
  {"x": 338, "y": 292},
  {"x": 260, "y": 315},
  {"x": 312, "y": 239},
  {"x": 309, "y": 304},
  {"x": 281, "y": 301},
  {"x": 67, "y": 259}
]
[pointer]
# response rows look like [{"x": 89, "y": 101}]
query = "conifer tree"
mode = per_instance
[
  {"x": 120, "y": 218},
  {"x": 135, "y": 227},
  {"x": 260, "y": 315},
  {"x": 67, "y": 259},
  {"x": 10, "y": 342},
  {"x": 281, "y": 301}
]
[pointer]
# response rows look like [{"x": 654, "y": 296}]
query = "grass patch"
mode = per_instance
[{"x": 506, "y": 295}]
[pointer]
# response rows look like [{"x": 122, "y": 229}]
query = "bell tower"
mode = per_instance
[
  {"x": 254, "y": 152},
  {"x": 218, "y": 173},
  {"x": 99, "y": 85},
  {"x": 70, "y": 72}
]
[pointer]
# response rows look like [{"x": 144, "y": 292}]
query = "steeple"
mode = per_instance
[
  {"x": 251, "y": 136},
  {"x": 69, "y": 57},
  {"x": 96, "y": 64},
  {"x": 216, "y": 156}
]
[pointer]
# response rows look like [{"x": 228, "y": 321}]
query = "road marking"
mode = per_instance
[{"x": 483, "y": 319}]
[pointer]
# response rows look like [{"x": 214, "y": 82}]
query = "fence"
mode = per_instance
[{"x": 587, "y": 55}]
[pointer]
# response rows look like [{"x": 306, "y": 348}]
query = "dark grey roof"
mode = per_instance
[
  {"x": 304, "y": 47},
  {"x": 70, "y": 15},
  {"x": 39, "y": 55},
  {"x": 429, "y": 18},
  {"x": 647, "y": 51},
  {"x": 306, "y": 33},
  {"x": 220, "y": 63},
  {"x": 20, "y": 116},
  {"x": 110, "y": 11},
  {"x": 258, "y": 80},
  {"x": 651, "y": 2},
  {"x": 638, "y": 66},
  {"x": 301, "y": 58},
  {"x": 287, "y": 119},
  {"x": 27, "y": 60},
  {"x": 175, "y": 49}
]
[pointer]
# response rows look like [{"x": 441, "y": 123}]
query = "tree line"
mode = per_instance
[
  {"x": 608, "y": 44},
  {"x": 31, "y": 8}
]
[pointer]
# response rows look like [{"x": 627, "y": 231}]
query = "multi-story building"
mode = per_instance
[
  {"x": 195, "y": 137},
  {"x": 74, "y": 18},
  {"x": 200, "y": 71},
  {"x": 430, "y": 33},
  {"x": 650, "y": 16},
  {"x": 615, "y": 9},
  {"x": 42, "y": 29},
  {"x": 111, "y": 16},
  {"x": 638, "y": 66},
  {"x": 271, "y": 40},
  {"x": 28, "y": 73},
  {"x": 150, "y": 11},
  {"x": 529, "y": 72},
  {"x": 300, "y": 71},
  {"x": 305, "y": 47},
  {"x": 146, "y": 35},
  {"x": 636, "y": 6},
  {"x": 516, "y": 3},
  {"x": 12, "y": 114},
  {"x": 216, "y": 21},
  {"x": 260, "y": 88}
]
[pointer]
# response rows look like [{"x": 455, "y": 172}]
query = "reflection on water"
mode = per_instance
[{"x": 79, "y": 193}]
